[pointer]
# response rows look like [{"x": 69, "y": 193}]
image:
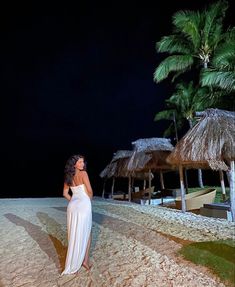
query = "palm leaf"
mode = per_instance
[
  {"x": 173, "y": 44},
  {"x": 214, "y": 16},
  {"x": 225, "y": 56},
  {"x": 221, "y": 79},
  {"x": 188, "y": 22},
  {"x": 172, "y": 64},
  {"x": 164, "y": 115}
]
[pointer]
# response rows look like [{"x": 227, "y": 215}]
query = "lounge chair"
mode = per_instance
[
  {"x": 142, "y": 194},
  {"x": 217, "y": 210},
  {"x": 119, "y": 196},
  {"x": 195, "y": 200}
]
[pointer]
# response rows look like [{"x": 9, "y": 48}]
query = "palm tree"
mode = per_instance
[
  {"x": 186, "y": 100},
  {"x": 184, "y": 103},
  {"x": 195, "y": 39}
]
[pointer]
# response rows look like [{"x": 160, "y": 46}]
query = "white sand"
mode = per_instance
[{"x": 132, "y": 245}]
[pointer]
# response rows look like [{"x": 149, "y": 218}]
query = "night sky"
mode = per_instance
[{"x": 78, "y": 79}]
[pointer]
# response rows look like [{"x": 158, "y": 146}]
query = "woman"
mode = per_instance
[{"x": 79, "y": 216}]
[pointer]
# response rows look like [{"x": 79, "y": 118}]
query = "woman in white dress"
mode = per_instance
[{"x": 79, "y": 216}]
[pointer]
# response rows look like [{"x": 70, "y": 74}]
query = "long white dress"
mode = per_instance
[{"x": 79, "y": 222}]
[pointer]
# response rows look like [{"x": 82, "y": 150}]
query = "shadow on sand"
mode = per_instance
[{"x": 49, "y": 244}]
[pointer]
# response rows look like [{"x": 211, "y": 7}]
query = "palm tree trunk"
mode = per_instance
[{"x": 175, "y": 126}]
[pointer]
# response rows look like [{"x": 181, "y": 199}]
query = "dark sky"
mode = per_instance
[{"x": 78, "y": 79}]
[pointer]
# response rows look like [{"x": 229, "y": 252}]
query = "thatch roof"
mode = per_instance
[
  {"x": 120, "y": 154},
  {"x": 117, "y": 166},
  {"x": 150, "y": 153},
  {"x": 109, "y": 170},
  {"x": 210, "y": 143},
  {"x": 152, "y": 144}
]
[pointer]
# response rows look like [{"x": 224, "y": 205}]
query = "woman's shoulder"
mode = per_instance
[{"x": 83, "y": 173}]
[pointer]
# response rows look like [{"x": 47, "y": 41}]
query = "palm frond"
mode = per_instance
[
  {"x": 214, "y": 16},
  {"x": 225, "y": 56},
  {"x": 164, "y": 115},
  {"x": 221, "y": 79},
  {"x": 173, "y": 44},
  {"x": 188, "y": 22},
  {"x": 172, "y": 64}
]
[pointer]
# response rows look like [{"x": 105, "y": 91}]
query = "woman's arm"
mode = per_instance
[
  {"x": 86, "y": 181},
  {"x": 66, "y": 192}
]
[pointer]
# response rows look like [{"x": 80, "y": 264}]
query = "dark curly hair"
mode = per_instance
[{"x": 69, "y": 170}]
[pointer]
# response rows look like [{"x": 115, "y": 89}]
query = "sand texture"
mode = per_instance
[{"x": 132, "y": 245}]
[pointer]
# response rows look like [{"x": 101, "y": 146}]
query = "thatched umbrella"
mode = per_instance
[
  {"x": 209, "y": 144},
  {"x": 112, "y": 170},
  {"x": 118, "y": 168},
  {"x": 150, "y": 155}
]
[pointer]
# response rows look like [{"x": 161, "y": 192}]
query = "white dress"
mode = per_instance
[{"x": 79, "y": 222}]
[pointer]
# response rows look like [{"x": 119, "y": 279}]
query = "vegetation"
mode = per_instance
[
  {"x": 186, "y": 100},
  {"x": 199, "y": 43},
  {"x": 196, "y": 37},
  {"x": 219, "y": 256},
  {"x": 221, "y": 74}
]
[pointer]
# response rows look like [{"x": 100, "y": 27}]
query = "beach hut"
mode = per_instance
[
  {"x": 209, "y": 144},
  {"x": 113, "y": 169},
  {"x": 118, "y": 168},
  {"x": 150, "y": 155}
]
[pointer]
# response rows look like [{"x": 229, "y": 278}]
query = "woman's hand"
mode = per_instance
[{"x": 66, "y": 192}]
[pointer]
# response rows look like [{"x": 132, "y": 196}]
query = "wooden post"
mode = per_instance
[
  {"x": 232, "y": 189},
  {"x": 129, "y": 188},
  {"x": 186, "y": 180},
  {"x": 112, "y": 190},
  {"x": 103, "y": 188},
  {"x": 228, "y": 176},
  {"x": 183, "y": 203},
  {"x": 149, "y": 186},
  {"x": 221, "y": 175},
  {"x": 162, "y": 180},
  {"x": 144, "y": 186},
  {"x": 132, "y": 182}
]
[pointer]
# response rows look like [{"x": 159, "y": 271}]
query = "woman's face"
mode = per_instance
[{"x": 80, "y": 163}]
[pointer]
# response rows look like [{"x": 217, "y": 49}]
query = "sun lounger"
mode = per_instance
[
  {"x": 142, "y": 194},
  {"x": 217, "y": 210},
  {"x": 120, "y": 196}
]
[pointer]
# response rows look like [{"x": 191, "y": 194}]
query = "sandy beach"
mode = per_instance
[{"x": 132, "y": 245}]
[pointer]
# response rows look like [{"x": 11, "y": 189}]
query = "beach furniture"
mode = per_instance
[
  {"x": 195, "y": 200},
  {"x": 119, "y": 195},
  {"x": 217, "y": 210},
  {"x": 142, "y": 194}
]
